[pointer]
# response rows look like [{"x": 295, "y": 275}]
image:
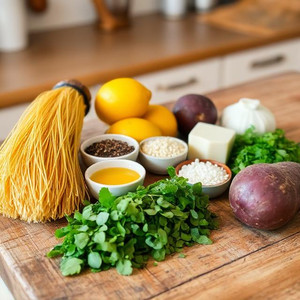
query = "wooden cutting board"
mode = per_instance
[
  {"x": 241, "y": 263},
  {"x": 260, "y": 18}
]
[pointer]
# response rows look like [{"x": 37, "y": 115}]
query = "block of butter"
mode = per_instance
[{"x": 207, "y": 141}]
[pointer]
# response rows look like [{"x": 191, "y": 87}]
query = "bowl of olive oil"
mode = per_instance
[{"x": 119, "y": 176}]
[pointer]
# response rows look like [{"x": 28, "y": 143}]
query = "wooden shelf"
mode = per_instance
[{"x": 151, "y": 43}]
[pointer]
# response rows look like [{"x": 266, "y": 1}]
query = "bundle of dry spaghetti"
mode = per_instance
[{"x": 40, "y": 176}]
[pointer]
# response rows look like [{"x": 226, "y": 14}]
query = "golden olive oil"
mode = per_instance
[{"x": 114, "y": 176}]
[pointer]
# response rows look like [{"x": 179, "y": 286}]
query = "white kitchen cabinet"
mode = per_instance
[
  {"x": 172, "y": 83},
  {"x": 260, "y": 62},
  {"x": 298, "y": 55},
  {"x": 9, "y": 117},
  {"x": 167, "y": 85}
]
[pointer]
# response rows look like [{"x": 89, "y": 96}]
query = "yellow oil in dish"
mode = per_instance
[{"x": 115, "y": 176}]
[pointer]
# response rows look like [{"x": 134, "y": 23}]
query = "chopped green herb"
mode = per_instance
[
  {"x": 124, "y": 267},
  {"x": 94, "y": 260},
  {"x": 70, "y": 265},
  {"x": 181, "y": 255},
  {"x": 155, "y": 264},
  {"x": 253, "y": 148},
  {"x": 122, "y": 232}
]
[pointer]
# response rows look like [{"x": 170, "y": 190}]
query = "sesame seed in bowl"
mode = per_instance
[{"x": 158, "y": 153}]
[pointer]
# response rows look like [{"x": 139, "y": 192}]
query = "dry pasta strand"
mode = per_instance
[{"x": 40, "y": 176}]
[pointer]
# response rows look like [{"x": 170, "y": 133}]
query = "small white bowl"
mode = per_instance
[
  {"x": 212, "y": 191},
  {"x": 89, "y": 159},
  {"x": 119, "y": 189},
  {"x": 159, "y": 165}
]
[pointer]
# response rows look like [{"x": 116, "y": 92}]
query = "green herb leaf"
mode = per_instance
[
  {"x": 94, "y": 260},
  {"x": 102, "y": 218},
  {"x": 159, "y": 254},
  {"x": 150, "y": 212},
  {"x": 123, "y": 204},
  {"x": 171, "y": 171},
  {"x": 71, "y": 266},
  {"x": 71, "y": 250},
  {"x": 61, "y": 232},
  {"x": 88, "y": 213},
  {"x": 83, "y": 228},
  {"x": 194, "y": 214},
  {"x": 99, "y": 237},
  {"x": 200, "y": 239},
  {"x": 121, "y": 229},
  {"x": 168, "y": 214},
  {"x": 103, "y": 228},
  {"x": 124, "y": 267},
  {"x": 145, "y": 227},
  {"x": 54, "y": 253},
  {"x": 106, "y": 198},
  {"x": 81, "y": 240},
  {"x": 115, "y": 215},
  {"x": 78, "y": 216}
]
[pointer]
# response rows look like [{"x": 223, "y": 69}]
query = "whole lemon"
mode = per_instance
[
  {"x": 121, "y": 98},
  {"x": 163, "y": 118},
  {"x": 137, "y": 128}
]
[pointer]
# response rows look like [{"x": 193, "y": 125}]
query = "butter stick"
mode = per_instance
[{"x": 207, "y": 141}]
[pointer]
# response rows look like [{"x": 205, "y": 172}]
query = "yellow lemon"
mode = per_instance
[
  {"x": 163, "y": 118},
  {"x": 137, "y": 128},
  {"x": 121, "y": 98}
]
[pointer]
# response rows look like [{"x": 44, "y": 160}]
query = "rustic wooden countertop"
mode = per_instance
[
  {"x": 242, "y": 263},
  {"x": 151, "y": 43}
]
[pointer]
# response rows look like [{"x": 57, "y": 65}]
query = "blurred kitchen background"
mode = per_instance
[
  {"x": 173, "y": 46},
  {"x": 195, "y": 46}
]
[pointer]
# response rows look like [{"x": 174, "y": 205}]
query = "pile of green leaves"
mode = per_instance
[
  {"x": 123, "y": 232},
  {"x": 253, "y": 148}
]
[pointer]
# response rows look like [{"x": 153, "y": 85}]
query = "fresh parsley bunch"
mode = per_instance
[
  {"x": 253, "y": 148},
  {"x": 123, "y": 232}
]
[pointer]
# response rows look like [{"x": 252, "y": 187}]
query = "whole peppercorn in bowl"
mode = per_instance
[{"x": 108, "y": 146}]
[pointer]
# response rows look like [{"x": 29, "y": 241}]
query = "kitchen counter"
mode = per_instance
[
  {"x": 151, "y": 43},
  {"x": 242, "y": 262}
]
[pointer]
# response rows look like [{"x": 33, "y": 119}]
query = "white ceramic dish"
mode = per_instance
[
  {"x": 89, "y": 159},
  {"x": 159, "y": 165},
  {"x": 116, "y": 190},
  {"x": 212, "y": 191}
]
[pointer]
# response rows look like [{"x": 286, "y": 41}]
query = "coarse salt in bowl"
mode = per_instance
[
  {"x": 160, "y": 152},
  {"x": 214, "y": 176}
]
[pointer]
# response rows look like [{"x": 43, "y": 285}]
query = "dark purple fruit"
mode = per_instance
[{"x": 191, "y": 109}]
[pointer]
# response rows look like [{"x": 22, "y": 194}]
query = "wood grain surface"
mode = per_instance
[
  {"x": 151, "y": 43},
  {"x": 242, "y": 263},
  {"x": 257, "y": 17}
]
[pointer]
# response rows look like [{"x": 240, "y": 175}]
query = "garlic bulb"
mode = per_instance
[{"x": 246, "y": 112}]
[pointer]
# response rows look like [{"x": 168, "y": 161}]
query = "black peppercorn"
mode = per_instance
[{"x": 109, "y": 148}]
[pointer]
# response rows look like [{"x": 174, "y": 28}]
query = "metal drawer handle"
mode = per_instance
[
  {"x": 268, "y": 62},
  {"x": 178, "y": 85}
]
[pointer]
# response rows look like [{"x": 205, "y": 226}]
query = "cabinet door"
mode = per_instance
[
  {"x": 167, "y": 85},
  {"x": 263, "y": 61},
  {"x": 170, "y": 84}
]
